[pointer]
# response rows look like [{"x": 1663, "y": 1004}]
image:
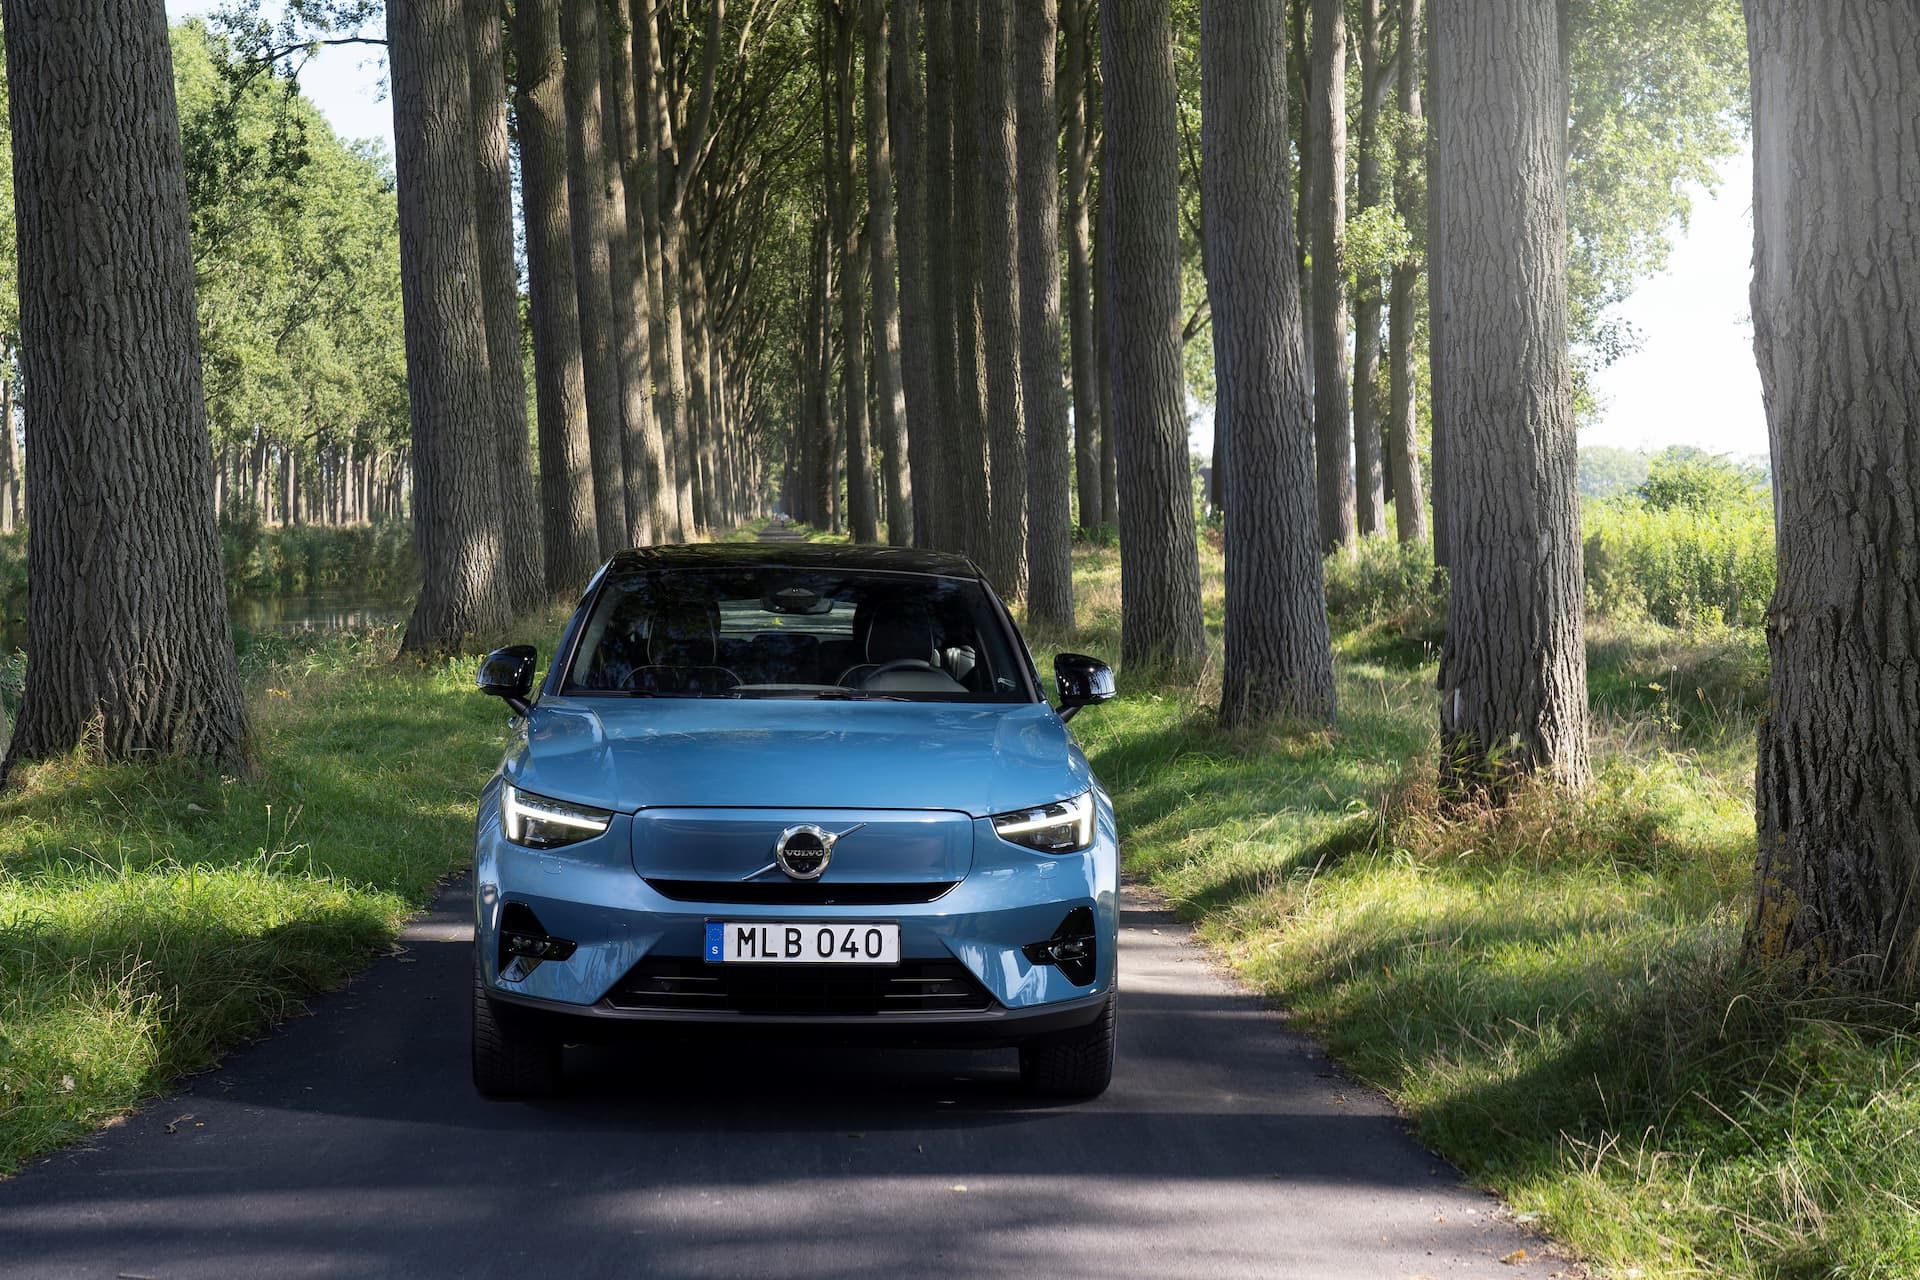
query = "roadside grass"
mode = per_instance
[
  {"x": 1553, "y": 992},
  {"x": 152, "y": 917}
]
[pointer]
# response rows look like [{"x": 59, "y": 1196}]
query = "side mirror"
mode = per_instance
[
  {"x": 507, "y": 674},
  {"x": 1083, "y": 682}
]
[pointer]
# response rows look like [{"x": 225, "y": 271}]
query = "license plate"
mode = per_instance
[{"x": 780, "y": 942}]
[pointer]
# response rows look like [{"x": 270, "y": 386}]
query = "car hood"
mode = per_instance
[{"x": 638, "y": 753}]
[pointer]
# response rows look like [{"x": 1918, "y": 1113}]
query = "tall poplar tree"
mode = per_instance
[
  {"x": 1160, "y": 622},
  {"x": 1279, "y": 656},
  {"x": 1836, "y": 98},
  {"x": 1513, "y": 674},
  {"x": 128, "y": 624}
]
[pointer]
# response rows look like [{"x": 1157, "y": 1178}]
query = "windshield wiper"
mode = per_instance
[{"x": 856, "y": 695}]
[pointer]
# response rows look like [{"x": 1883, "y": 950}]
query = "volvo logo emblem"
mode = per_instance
[{"x": 803, "y": 852}]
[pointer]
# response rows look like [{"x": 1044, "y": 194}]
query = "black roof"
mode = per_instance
[{"x": 794, "y": 554}]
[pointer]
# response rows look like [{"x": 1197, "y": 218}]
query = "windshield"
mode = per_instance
[{"x": 797, "y": 633}]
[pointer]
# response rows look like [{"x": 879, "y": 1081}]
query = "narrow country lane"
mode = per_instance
[{"x": 351, "y": 1144}]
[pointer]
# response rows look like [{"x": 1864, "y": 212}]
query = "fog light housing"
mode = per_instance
[
  {"x": 1071, "y": 949},
  {"x": 525, "y": 942}
]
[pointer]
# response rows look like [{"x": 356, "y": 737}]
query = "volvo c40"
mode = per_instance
[{"x": 785, "y": 788}]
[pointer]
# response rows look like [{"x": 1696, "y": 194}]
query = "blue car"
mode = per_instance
[{"x": 794, "y": 787}]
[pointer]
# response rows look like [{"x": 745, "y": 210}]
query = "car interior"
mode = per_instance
[{"x": 873, "y": 636}]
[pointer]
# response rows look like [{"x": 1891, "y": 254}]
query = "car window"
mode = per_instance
[{"x": 801, "y": 633}]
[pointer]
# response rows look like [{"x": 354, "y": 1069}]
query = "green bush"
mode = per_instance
[
  {"x": 13, "y": 580},
  {"x": 1383, "y": 580},
  {"x": 1681, "y": 564}
]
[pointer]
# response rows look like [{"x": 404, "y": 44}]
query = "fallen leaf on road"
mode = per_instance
[
  {"x": 173, "y": 1126},
  {"x": 1515, "y": 1258}
]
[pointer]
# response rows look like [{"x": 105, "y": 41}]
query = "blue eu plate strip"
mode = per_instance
[{"x": 714, "y": 944}]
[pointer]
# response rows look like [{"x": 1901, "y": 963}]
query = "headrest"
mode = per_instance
[
  {"x": 901, "y": 632},
  {"x": 682, "y": 636}
]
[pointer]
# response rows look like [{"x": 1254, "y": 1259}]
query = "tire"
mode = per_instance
[
  {"x": 511, "y": 1059},
  {"x": 1072, "y": 1064}
]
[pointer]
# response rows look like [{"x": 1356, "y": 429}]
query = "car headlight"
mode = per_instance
[
  {"x": 540, "y": 823},
  {"x": 1064, "y": 826}
]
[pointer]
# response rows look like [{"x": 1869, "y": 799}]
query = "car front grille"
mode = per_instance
[
  {"x": 678, "y": 984},
  {"x": 810, "y": 893}
]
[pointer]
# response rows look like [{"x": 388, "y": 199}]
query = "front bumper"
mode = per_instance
[{"x": 590, "y": 894}]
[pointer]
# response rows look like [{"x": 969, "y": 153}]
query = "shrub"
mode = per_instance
[
  {"x": 1681, "y": 564},
  {"x": 1382, "y": 580}
]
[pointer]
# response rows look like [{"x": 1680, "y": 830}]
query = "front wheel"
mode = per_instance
[
  {"x": 510, "y": 1058},
  {"x": 1072, "y": 1064}
]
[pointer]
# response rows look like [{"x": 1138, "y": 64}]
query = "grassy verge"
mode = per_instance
[
  {"x": 149, "y": 918},
  {"x": 1553, "y": 993}
]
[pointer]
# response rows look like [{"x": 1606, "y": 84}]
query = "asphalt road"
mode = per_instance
[{"x": 351, "y": 1143}]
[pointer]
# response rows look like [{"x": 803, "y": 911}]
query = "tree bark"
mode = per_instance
[
  {"x": 1409, "y": 191},
  {"x": 9, "y": 467},
  {"x": 1436, "y": 321},
  {"x": 641, "y": 450},
  {"x": 559, "y": 380},
  {"x": 1327, "y": 219},
  {"x": 861, "y": 520},
  {"x": 1000, "y": 301},
  {"x": 1043, "y": 381},
  {"x": 647, "y": 193},
  {"x": 456, "y": 484},
  {"x": 1279, "y": 655},
  {"x": 890, "y": 400},
  {"x": 1103, "y": 357},
  {"x": 1086, "y": 396},
  {"x": 950, "y": 490},
  {"x": 975, "y": 489},
  {"x": 592, "y": 265},
  {"x": 1836, "y": 92},
  {"x": 675, "y": 426},
  {"x": 1369, "y": 479},
  {"x": 128, "y": 627},
  {"x": 500, "y": 291},
  {"x": 918, "y": 336},
  {"x": 1160, "y": 623},
  {"x": 1513, "y": 693}
]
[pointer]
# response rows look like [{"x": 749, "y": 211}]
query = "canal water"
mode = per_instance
[{"x": 321, "y": 611}]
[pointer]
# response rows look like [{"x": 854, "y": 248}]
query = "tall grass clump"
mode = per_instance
[{"x": 1693, "y": 544}]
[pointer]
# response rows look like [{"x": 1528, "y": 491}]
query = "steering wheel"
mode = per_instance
[{"x": 898, "y": 664}]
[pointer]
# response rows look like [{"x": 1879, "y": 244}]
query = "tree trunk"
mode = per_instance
[
  {"x": 675, "y": 170},
  {"x": 975, "y": 508},
  {"x": 700, "y": 399},
  {"x": 1436, "y": 322},
  {"x": 1513, "y": 691},
  {"x": 500, "y": 294},
  {"x": 1279, "y": 655},
  {"x": 1000, "y": 300},
  {"x": 1836, "y": 92},
  {"x": 589, "y": 203},
  {"x": 641, "y": 448},
  {"x": 455, "y": 453},
  {"x": 1103, "y": 356},
  {"x": 1372, "y": 513},
  {"x": 1409, "y": 191},
  {"x": 1043, "y": 381},
  {"x": 666, "y": 497},
  {"x": 9, "y": 466},
  {"x": 1327, "y": 219},
  {"x": 952, "y": 489},
  {"x": 918, "y": 336},
  {"x": 890, "y": 401},
  {"x": 131, "y": 651},
  {"x": 1086, "y": 396},
  {"x": 1160, "y": 624},
  {"x": 571, "y": 535},
  {"x": 861, "y": 519}
]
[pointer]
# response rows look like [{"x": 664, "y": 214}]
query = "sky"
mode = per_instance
[{"x": 1692, "y": 380}]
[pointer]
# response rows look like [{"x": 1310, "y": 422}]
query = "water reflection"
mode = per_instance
[{"x": 322, "y": 611}]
